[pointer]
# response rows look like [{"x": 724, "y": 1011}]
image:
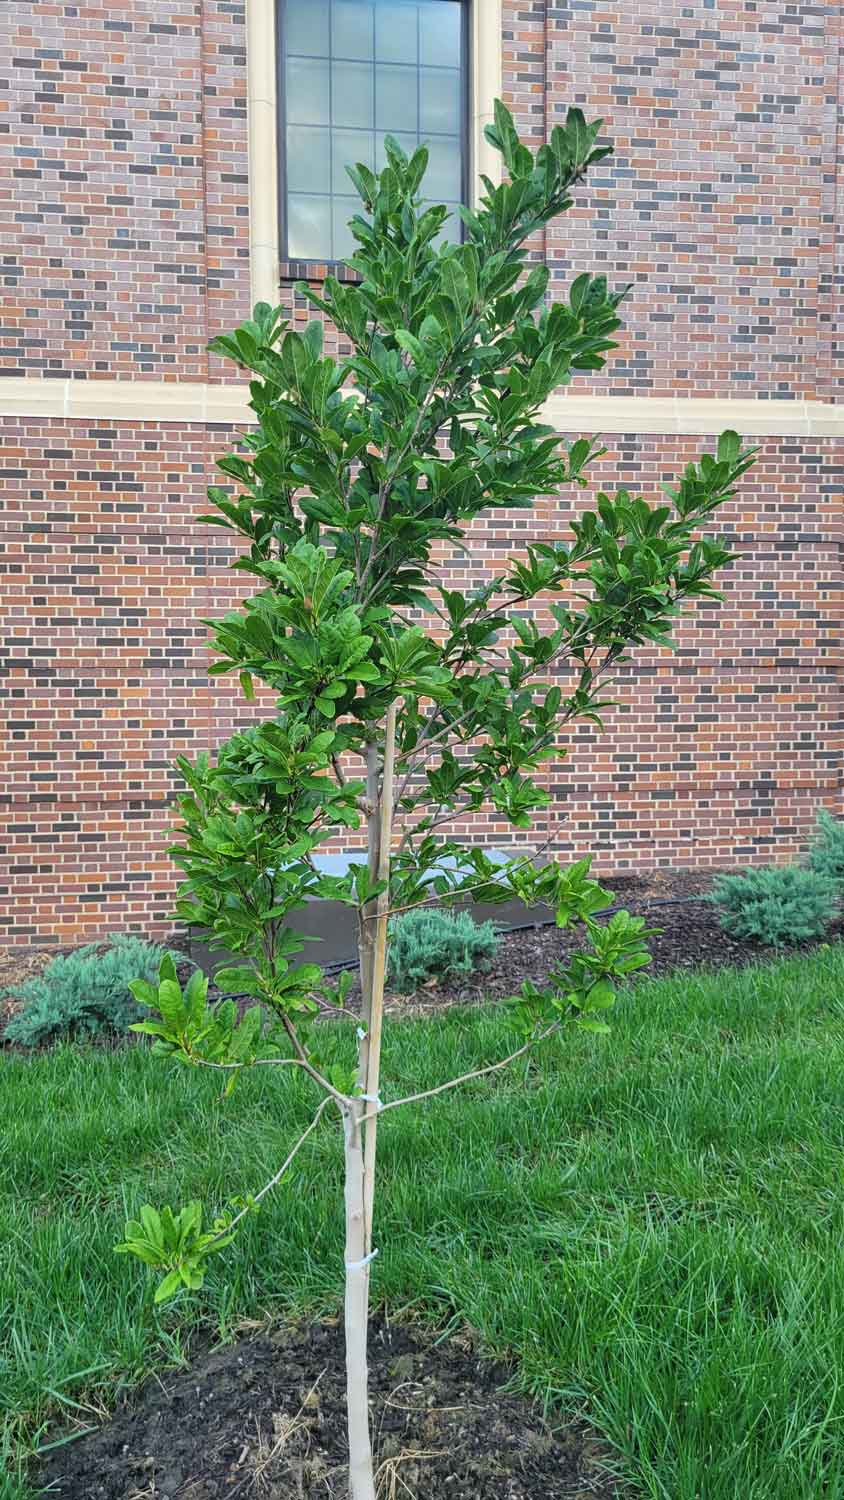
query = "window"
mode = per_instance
[{"x": 351, "y": 72}]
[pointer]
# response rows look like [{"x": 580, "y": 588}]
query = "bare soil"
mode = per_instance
[{"x": 265, "y": 1418}]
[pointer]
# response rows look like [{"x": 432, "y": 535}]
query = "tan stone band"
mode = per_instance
[{"x": 188, "y": 401}]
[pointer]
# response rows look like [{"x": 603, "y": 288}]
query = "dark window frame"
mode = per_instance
[{"x": 281, "y": 131}]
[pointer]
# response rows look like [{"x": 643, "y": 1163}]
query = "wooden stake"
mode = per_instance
[
  {"x": 366, "y": 925},
  {"x": 379, "y": 967}
]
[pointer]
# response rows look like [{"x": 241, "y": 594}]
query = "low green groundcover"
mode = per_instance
[
  {"x": 430, "y": 943},
  {"x": 84, "y": 993},
  {"x": 652, "y": 1221}
]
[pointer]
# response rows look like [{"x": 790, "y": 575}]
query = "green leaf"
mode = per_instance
[
  {"x": 150, "y": 1028},
  {"x": 305, "y": 977},
  {"x": 411, "y": 345},
  {"x": 144, "y": 992},
  {"x": 170, "y": 1004},
  {"x": 600, "y": 997},
  {"x": 168, "y": 967},
  {"x": 196, "y": 995},
  {"x": 151, "y": 1223},
  {"x": 238, "y": 981},
  {"x": 141, "y": 1250},
  {"x": 312, "y": 337},
  {"x": 168, "y": 1288}
]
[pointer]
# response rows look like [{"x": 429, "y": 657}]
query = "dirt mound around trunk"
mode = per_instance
[{"x": 266, "y": 1417}]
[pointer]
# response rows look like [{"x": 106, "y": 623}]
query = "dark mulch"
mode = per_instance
[
  {"x": 266, "y": 1418},
  {"x": 15, "y": 968},
  {"x": 690, "y": 936}
]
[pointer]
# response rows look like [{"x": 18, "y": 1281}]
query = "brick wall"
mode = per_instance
[
  {"x": 720, "y": 200},
  {"x": 124, "y": 219}
]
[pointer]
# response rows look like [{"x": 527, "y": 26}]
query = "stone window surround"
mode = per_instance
[{"x": 485, "y": 46}]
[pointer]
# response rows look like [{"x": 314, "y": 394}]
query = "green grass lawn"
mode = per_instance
[{"x": 653, "y": 1221}]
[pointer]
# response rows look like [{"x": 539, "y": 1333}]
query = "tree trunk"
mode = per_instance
[{"x": 361, "y": 1476}]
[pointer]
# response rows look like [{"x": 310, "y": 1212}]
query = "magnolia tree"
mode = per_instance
[{"x": 403, "y": 705}]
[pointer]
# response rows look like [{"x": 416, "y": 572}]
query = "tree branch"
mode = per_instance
[
  {"x": 257, "y": 1062},
  {"x": 276, "y": 1062},
  {"x": 304, "y": 1062},
  {"x": 566, "y": 648},
  {"x": 468, "y": 1077},
  {"x": 464, "y": 890},
  {"x": 274, "y": 1180}
]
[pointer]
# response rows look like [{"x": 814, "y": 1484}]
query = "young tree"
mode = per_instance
[{"x": 401, "y": 704}]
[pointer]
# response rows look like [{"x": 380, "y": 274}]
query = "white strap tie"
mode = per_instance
[
  {"x": 358, "y": 1265},
  {"x": 361, "y": 1033},
  {"x": 373, "y": 1099}
]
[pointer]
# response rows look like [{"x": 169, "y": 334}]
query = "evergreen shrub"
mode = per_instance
[
  {"x": 429, "y": 943},
  {"x": 84, "y": 993},
  {"x": 826, "y": 851},
  {"x": 778, "y": 906}
]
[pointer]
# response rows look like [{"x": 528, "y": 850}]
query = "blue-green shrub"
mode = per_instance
[
  {"x": 429, "y": 943},
  {"x": 826, "y": 850},
  {"x": 781, "y": 905},
  {"x": 84, "y": 993}
]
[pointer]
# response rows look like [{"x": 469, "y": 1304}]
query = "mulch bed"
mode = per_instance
[
  {"x": 266, "y": 1417},
  {"x": 690, "y": 936},
  {"x": 15, "y": 969}
]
